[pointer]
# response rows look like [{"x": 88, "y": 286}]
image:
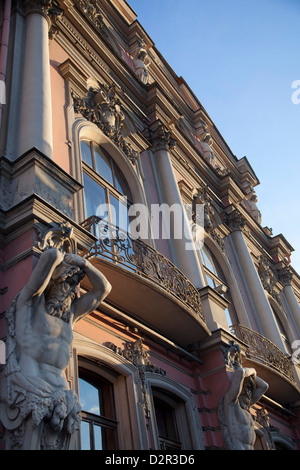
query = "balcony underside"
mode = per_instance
[
  {"x": 281, "y": 389},
  {"x": 271, "y": 364},
  {"x": 151, "y": 304}
]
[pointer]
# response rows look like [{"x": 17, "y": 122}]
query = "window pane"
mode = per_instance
[
  {"x": 103, "y": 166},
  {"x": 94, "y": 196},
  {"x": 210, "y": 281},
  {"x": 85, "y": 435},
  {"x": 89, "y": 397},
  {"x": 207, "y": 260},
  {"x": 98, "y": 437},
  {"x": 86, "y": 154},
  {"x": 119, "y": 213},
  {"x": 165, "y": 420},
  {"x": 121, "y": 184}
]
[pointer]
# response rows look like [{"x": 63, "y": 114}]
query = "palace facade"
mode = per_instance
[{"x": 98, "y": 132}]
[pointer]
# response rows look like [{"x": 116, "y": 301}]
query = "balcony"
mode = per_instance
[
  {"x": 146, "y": 284},
  {"x": 271, "y": 364}
]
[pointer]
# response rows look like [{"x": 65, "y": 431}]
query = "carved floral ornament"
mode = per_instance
[{"x": 102, "y": 107}]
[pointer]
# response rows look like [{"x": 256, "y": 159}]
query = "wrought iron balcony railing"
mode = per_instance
[
  {"x": 117, "y": 246},
  {"x": 264, "y": 351}
]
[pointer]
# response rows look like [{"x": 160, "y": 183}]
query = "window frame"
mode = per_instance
[
  {"x": 187, "y": 416},
  {"x": 86, "y": 372},
  {"x": 109, "y": 189}
]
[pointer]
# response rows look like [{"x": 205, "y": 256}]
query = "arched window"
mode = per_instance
[
  {"x": 215, "y": 278},
  {"x": 106, "y": 192},
  {"x": 98, "y": 426},
  {"x": 172, "y": 424}
]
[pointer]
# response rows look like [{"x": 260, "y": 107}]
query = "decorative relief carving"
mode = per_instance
[
  {"x": 102, "y": 107},
  {"x": 268, "y": 277},
  {"x": 37, "y": 408},
  {"x": 93, "y": 11},
  {"x": 139, "y": 356}
]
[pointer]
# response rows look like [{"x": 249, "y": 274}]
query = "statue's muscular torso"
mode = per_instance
[{"x": 45, "y": 340}]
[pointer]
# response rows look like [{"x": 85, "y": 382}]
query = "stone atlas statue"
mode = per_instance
[
  {"x": 38, "y": 409},
  {"x": 234, "y": 415}
]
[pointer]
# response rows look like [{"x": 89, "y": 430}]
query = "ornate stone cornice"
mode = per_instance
[{"x": 102, "y": 107}]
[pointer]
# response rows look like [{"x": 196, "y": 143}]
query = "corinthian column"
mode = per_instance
[
  {"x": 285, "y": 276},
  {"x": 36, "y": 111},
  {"x": 186, "y": 257},
  {"x": 259, "y": 299}
]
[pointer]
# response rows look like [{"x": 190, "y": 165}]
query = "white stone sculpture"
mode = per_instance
[
  {"x": 250, "y": 203},
  {"x": 234, "y": 414},
  {"x": 141, "y": 64},
  {"x": 37, "y": 408}
]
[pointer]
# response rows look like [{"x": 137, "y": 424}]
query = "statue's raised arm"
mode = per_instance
[{"x": 38, "y": 410}]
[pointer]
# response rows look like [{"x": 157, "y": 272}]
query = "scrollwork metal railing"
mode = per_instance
[
  {"x": 263, "y": 350},
  {"x": 116, "y": 245}
]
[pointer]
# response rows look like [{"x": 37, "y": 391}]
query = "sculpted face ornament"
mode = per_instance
[{"x": 38, "y": 410}]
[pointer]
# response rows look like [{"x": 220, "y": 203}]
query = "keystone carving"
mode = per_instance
[{"x": 102, "y": 107}]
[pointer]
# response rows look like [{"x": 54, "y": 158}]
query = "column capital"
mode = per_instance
[
  {"x": 285, "y": 276},
  {"x": 235, "y": 221},
  {"x": 161, "y": 138},
  {"x": 50, "y": 9}
]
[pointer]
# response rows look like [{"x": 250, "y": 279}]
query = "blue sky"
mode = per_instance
[{"x": 240, "y": 58}]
